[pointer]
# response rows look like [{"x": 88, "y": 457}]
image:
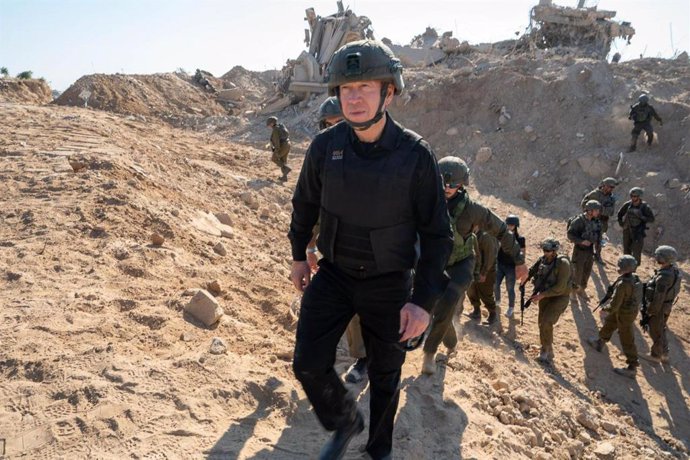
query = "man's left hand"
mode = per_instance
[{"x": 413, "y": 321}]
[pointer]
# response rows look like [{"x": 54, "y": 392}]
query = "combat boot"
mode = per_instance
[
  {"x": 596, "y": 343},
  {"x": 336, "y": 447},
  {"x": 633, "y": 144},
  {"x": 630, "y": 371},
  {"x": 491, "y": 319},
  {"x": 651, "y": 358},
  {"x": 429, "y": 364},
  {"x": 476, "y": 313}
]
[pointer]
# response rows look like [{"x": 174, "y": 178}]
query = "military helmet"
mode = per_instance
[
  {"x": 271, "y": 120},
  {"x": 636, "y": 191},
  {"x": 330, "y": 108},
  {"x": 550, "y": 244},
  {"x": 592, "y": 205},
  {"x": 454, "y": 171},
  {"x": 627, "y": 263},
  {"x": 364, "y": 60},
  {"x": 666, "y": 254},
  {"x": 609, "y": 181},
  {"x": 644, "y": 98},
  {"x": 512, "y": 219}
]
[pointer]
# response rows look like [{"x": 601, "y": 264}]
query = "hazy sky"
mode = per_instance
[{"x": 61, "y": 40}]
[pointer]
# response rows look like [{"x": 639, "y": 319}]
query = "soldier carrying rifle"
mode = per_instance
[
  {"x": 625, "y": 295},
  {"x": 552, "y": 284}
]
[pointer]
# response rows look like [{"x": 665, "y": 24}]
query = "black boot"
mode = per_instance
[
  {"x": 476, "y": 313},
  {"x": 336, "y": 447},
  {"x": 491, "y": 319}
]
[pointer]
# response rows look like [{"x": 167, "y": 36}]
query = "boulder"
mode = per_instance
[
  {"x": 224, "y": 218},
  {"x": 204, "y": 307},
  {"x": 157, "y": 239},
  {"x": 217, "y": 347},
  {"x": 605, "y": 450},
  {"x": 220, "y": 249}
]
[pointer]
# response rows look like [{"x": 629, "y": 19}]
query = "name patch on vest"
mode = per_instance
[{"x": 337, "y": 155}]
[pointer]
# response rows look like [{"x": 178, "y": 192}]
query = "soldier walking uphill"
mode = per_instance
[
  {"x": 633, "y": 217},
  {"x": 660, "y": 294},
  {"x": 505, "y": 267},
  {"x": 465, "y": 215},
  {"x": 377, "y": 189},
  {"x": 584, "y": 231},
  {"x": 551, "y": 278},
  {"x": 641, "y": 114},
  {"x": 482, "y": 290},
  {"x": 604, "y": 195},
  {"x": 626, "y": 298},
  {"x": 280, "y": 145}
]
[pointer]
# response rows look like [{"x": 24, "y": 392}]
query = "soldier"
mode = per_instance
[
  {"x": 482, "y": 289},
  {"x": 505, "y": 268},
  {"x": 280, "y": 145},
  {"x": 329, "y": 113},
  {"x": 584, "y": 231},
  {"x": 465, "y": 214},
  {"x": 641, "y": 114},
  {"x": 633, "y": 217},
  {"x": 626, "y": 298},
  {"x": 604, "y": 195},
  {"x": 660, "y": 294},
  {"x": 377, "y": 189},
  {"x": 551, "y": 278}
]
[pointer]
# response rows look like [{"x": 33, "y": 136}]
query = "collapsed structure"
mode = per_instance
[{"x": 587, "y": 31}]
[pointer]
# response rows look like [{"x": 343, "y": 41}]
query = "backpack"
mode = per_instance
[
  {"x": 570, "y": 221},
  {"x": 284, "y": 133}
]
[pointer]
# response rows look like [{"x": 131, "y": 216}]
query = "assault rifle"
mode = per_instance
[
  {"x": 607, "y": 297},
  {"x": 644, "y": 320}
]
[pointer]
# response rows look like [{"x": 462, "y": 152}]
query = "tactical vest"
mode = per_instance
[
  {"x": 633, "y": 302},
  {"x": 640, "y": 113},
  {"x": 547, "y": 274},
  {"x": 283, "y": 133},
  {"x": 671, "y": 293},
  {"x": 631, "y": 218},
  {"x": 592, "y": 229},
  {"x": 376, "y": 193},
  {"x": 463, "y": 247}
]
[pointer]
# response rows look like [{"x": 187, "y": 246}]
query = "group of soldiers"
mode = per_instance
[{"x": 403, "y": 244}]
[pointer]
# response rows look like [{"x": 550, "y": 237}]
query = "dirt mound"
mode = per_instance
[
  {"x": 257, "y": 86},
  {"x": 169, "y": 96},
  {"x": 26, "y": 91}
]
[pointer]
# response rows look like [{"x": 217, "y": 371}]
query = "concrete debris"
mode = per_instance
[
  {"x": 586, "y": 31},
  {"x": 224, "y": 218},
  {"x": 605, "y": 451},
  {"x": 587, "y": 420},
  {"x": 204, "y": 307},
  {"x": 214, "y": 288},
  {"x": 218, "y": 346},
  {"x": 483, "y": 155},
  {"x": 220, "y": 250}
]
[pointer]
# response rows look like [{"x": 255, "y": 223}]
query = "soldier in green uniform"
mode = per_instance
[
  {"x": 633, "y": 217},
  {"x": 465, "y": 214},
  {"x": 641, "y": 114},
  {"x": 551, "y": 278},
  {"x": 626, "y": 300},
  {"x": 661, "y": 292},
  {"x": 604, "y": 195},
  {"x": 482, "y": 289},
  {"x": 584, "y": 231},
  {"x": 280, "y": 145}
]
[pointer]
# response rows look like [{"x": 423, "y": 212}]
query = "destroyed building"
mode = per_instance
[{"x": 585, "y": 31}]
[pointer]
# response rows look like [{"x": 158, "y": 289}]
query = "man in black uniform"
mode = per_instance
[
  {"x": 641, "y": 114},
  {"x": 377, "y": 188}
]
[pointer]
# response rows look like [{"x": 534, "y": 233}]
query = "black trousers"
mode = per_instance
[{"x": 328, "y": 304}]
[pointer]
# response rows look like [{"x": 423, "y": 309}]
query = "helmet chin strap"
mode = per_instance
[{"x": 361, "y": 126}]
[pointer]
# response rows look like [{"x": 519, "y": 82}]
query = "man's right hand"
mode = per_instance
[{"x": 300, "y": 274}]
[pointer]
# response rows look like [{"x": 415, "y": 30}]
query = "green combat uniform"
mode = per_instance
[
  {"x": 608, "y": 209},
  {"x": 465, "y": 214},
  {"x": 280, "y": 144},
  {"x": 582, "y": 229},
  {"x": 661, "y": 293},
  {"x": 625, "y": 303},
  {"x": 641, "y": 114},
  {"x": 479, "y": 291},
  {"x": 554, "y": 280},
  {"x": 634, "y": 220}
]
